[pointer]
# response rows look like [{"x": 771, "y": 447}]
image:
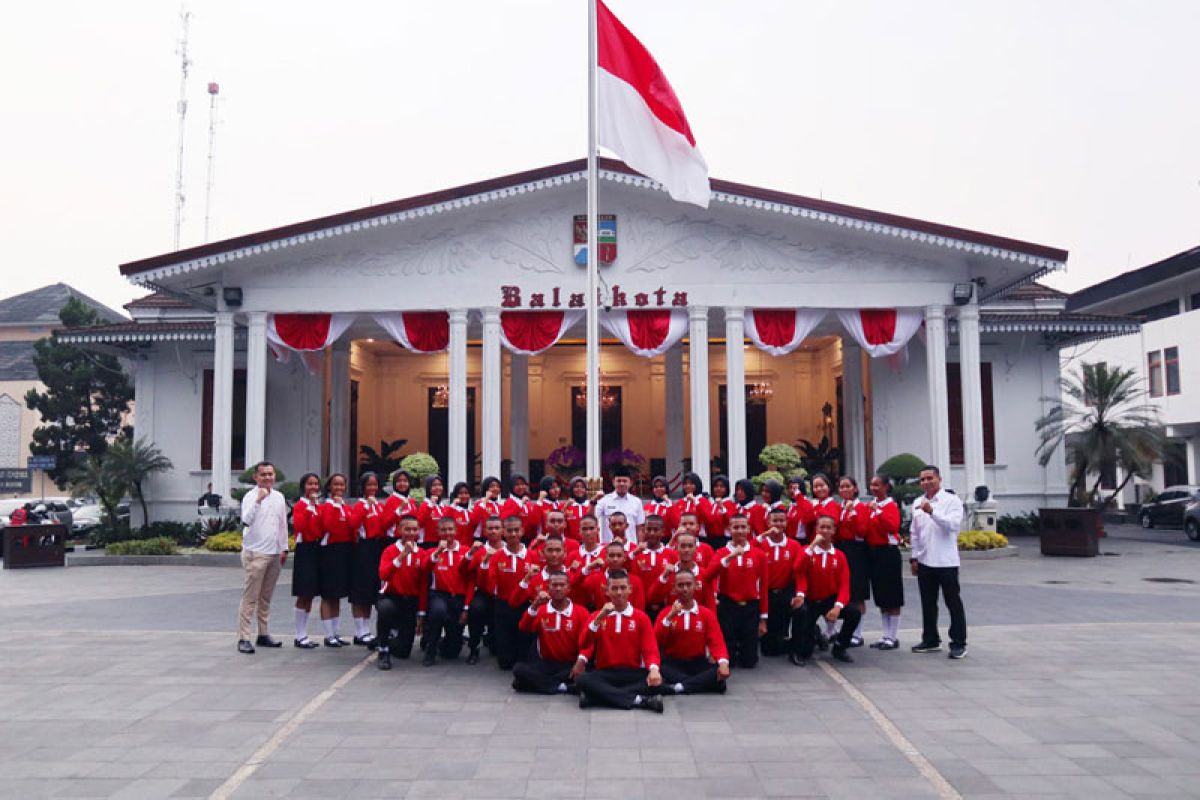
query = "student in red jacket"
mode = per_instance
[
  {"x": 795, "y": 517},
  {"x": 399, "y": 503},
  {"x": 459, "y": 509},
  {"x": 619, "y": 644},
  {"x": 482, "y": 606},
  {"x": 405, "y": 594},
  {"x": 577, "y": 506},
  {"x": 558, "y": 624},
  {"x": 689, "y": 523},
  {"x": 549, "y": 497},
  {"x": 740, "y": 570},
  {"x": 449, "y": 593},
  {"x": 306, "y": 569},
  {"x": 661, "y": 504},
  {"x": 650, "y": 558},
  {"x": 550, "y": 558},
  {"x": 520, "y": 504},
  {"x": 884, "y": 561},
  {"x": 715, "y": 512},
  {"x": 489, "y": 505},
  {"x": 693, "y": 499},
  {"x": 662, "y": 592},
  {"x": 852, "y": 540},
  {"x": 369, "y": 523},
  {"x": 822, "y": 591},
  {"x": 771, "y": 496},
  {"x": 507, "y": 568},
  {"x": 694, "y": 659},
  {"x": 336, "y": 557},
  {"x": 781, "y": 552},
  {"x": 431, "y": 510},
  {"x": 595, "y": 585}
]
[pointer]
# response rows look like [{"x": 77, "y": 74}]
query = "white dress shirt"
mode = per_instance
[
  {"x": 266, "y": 530},
  {"x": 935, "y": 534},
  {"x": 628, "y": 504}
]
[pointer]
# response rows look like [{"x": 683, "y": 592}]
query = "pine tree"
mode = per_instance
[{"x": 86, "y": 399}]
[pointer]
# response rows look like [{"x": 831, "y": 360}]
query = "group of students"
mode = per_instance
[{"x": 603, "y": 596}]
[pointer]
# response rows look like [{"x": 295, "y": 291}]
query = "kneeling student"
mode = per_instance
[
  {"x": 619, "y": 642},
  {"x": 822, "y": 590},
  {"x": 450, "y": 592},
  {"x": 689, "y": 635},
  {"x": 405, "y": 594},
  {"x": 558, "y": 624}
]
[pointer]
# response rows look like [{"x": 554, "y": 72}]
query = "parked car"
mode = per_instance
[
  {"x": 1191, "y": 518},
  {"x": 1167, "y": 507},
  {"x": 87, "y": 517}
]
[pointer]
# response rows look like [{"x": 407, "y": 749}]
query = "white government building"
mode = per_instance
[{"x": 891, "y": 334}]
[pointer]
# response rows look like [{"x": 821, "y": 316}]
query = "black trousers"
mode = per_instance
[
  {"x": 442, "y": 619},
  {"x": 930, "y": 580},
  {"x": 615, "y": 688},
  {"x": 539, "y": 676},
  {"x": 697, "y": 675},
  {"x": 739, "y": 626},
  {"x": 779, "y": 618},
  {"x": 805, "y": 623},
  {"x": 479, "y": 618},
  {"x": 397, "y": 613},
  {"x": 512, "y": 645}
]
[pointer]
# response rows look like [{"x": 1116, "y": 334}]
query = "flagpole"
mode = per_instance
[{"x": 592, "y": 382}]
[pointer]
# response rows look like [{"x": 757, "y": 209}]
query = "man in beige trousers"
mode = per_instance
[{"x": 264, "y": 552}]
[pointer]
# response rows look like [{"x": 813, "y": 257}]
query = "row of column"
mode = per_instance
[{"x": 698, "y": 374}]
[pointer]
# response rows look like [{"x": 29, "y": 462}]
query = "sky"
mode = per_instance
[{"x": 1072, "y": 123}]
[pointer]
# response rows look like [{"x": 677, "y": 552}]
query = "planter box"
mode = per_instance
[
  {"x": 1070, "y": 531},
  {"x": 34, "y": 546}
]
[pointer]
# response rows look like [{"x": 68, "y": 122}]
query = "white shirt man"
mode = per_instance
[
  {"x": 937, "y": 516},
  {"x": 264, "y": 550},
  {"x": 620, "y": 500},
  {"x": 935, "y": 531}
]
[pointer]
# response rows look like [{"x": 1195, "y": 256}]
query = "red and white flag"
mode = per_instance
[{"x": 640, "y": 118}]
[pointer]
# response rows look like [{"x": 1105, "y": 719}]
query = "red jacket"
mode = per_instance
[
  {"x": 781, "y": 561},
  {"x": 622, "y": 641},
  {"x": 692, "y": 634},
  {"x": 664, "y": 509},
  {"x": 464, "y": 530},
  {"x": 396, "y": 507},
  {"x": 483, "y": 509},
  {"x": 446, "y": 573},
  {"x": 760, "y": 516},
  {"x": 796, "y": 528},
  {"x": 575, "y": 511},
  {"x": 337, "y": 525},
  {"x": 472, "y": 571},
  {"x": 306, "y": 521},
  {"x": 822, "y": 574},
  {"x": 744, "y": 579},
  {"x": 558, "y": 633},
  {"x": 883, "y": 524},
  {"x": 852, "y": 526},
  {"x": 428, "y": 515},
  {"x": 368, "y": 519},
  {"x": 528, "y": 587},
  {"x": 594, "y": 594},
  {"x": 507, "y": 570},
  {"x": 811, "y": 509},
  {"x": 648, "y": 565},
  {"x": 662, "y": 592},
  {"x": 714, "y": 515},
  {"x": 525, "y": 508},
  {"x": 407, "y": 580}
]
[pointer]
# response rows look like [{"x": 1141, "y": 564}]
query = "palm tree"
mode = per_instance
[
  {"x": 91, "y": 477},
  {"x": 130, "y": 463},
  {"x": 1102, "y": 421}
]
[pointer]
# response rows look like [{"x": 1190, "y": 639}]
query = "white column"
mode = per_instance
[
  {"x": 853, "y": 426},
  {"x": 972, "y": 399},
  {"x": 698, "y": 372},
  {"x": 735, "y": 390},
  {"x": 222, "y": 400},
  {"x": 935, "y": 376},
  {"x": 456, "y": 439},
  {"x": 339, "y": 411},
  {"x": 1193, "y": 459},
  {"x": 518, "y": 410},
  {"x": 673, "y": 413},
  {"x": 256, "y": 387},
  {"x": 490, "y": 402}
]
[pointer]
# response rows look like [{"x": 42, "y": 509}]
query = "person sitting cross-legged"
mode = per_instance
[
  {"x": 558, "y": 624},
  {"x": 694, "y": 658}
]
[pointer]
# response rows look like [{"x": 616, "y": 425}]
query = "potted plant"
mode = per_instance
[
  {"x": 779, "y": 457},
  {"x": 567, "y": 461},
  {"x": 618, "y": 457}
]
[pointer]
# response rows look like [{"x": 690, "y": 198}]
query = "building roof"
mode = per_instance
[
  {"x": 1059, "y": 328},
  {"x": 41, "y": 306},
  {"x": 723, "y": 191},
  {"x": 1035, "y": 291},
  {"x": 16, "y": 362},
  {"x": 1137, "y": 279},
  {"x": 157, "y": 300},
  {"x": 198, "y": 330}
]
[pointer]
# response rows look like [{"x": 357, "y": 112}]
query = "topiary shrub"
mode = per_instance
[
  {"x": 158, "y": 546},
  {"x": 1019, "y": 524},
  {"x": 902, "y": 467},
  {"x": 981, "y": 540},
  {"x": 780, "y": 456},
  {"x": 419, "y": 466},
  {"x": 762, "y": 477}
]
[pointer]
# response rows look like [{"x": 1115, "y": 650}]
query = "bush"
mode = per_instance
[
  {"x": 981, "y": 540},
  {"x": 157, "y": 546},
  {"x": 420, "y": 466},
  {"x": 780, "y": 455},
  {"x": 225, "y": 542},
  {"x": 761, "y": 478},
  {"x": 902, "y": 467},
  {"x": 1019, "y": 524},
  {"x": 184, "y": 534}
]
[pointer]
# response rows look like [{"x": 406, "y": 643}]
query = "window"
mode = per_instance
[
  {"x": 1171, "y": 361},
  {"x": 1158, "y": 311},
  {"x": 237, "y": 455},
  {"x": 1154, "y": 372},
  {"x": 756, "y": 430},
  {"x": 610, "y": 419},
  {"x": 954, "y": 398},
  {"x": 1194, "y": 302},
  {"x": 437, "y": 422},
  {"x": 1174, "y": 461}
]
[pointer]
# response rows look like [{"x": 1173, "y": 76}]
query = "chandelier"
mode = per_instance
[
  {"x": 441, "y": 396},
  {"x": 759, "y": 393},
  {"x": 608, "y": 398}
]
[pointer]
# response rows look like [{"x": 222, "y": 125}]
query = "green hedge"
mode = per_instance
[
  {"x": 231, "y": 542},
  {"x": 981, "y": 540},
  {"x": 158, "y": 546}
]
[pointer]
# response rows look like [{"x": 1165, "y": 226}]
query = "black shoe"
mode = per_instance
[
  {"x": 333, "y": 641},
  {"x": 430, "y": 658},
  {"x": 840, "y": 654},
  {"x": 722, "y": 686},
  {"x": 244, "y": 646},
  {"x": 797, "y": 660},
  {"x": 384, "y": 660},
  {"x": 584, "y": 702},
  {"x": 927, "y": 647},
  {"x": 958, "y": 651},
  {"x": 365, "y": 641},
  {"x": 342, "y": 642},
  {"x": 267, "y": 641},
  {"x": 856, "y": 641},
  {"x": 473, "y": 656},
  {"x": 305, "y": 643},
  {"x": 822, "y": 642},
  {"x": 652, "y": 702},
  {"x": 885, "y": 644}
]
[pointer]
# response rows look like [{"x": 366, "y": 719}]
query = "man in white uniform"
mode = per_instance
[
  {"x": 620, "y": 500},
  {"x": 936, "y": 519},
  {"x": 264, "y": 552}
]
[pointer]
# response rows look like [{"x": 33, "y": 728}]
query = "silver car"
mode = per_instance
[{"x": 1191, "y": 518}]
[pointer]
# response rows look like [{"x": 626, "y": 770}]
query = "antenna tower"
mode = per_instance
[
  {"x": 184, "y": 62},
  {"x": 213, "y": 90}
]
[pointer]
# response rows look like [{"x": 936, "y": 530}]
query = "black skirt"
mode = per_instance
[
  {"x": 860, "y": 571},
  {"x": 364, "y": 583},
  {"x": 887, "y": 577},
  {"x": 337, "y": 562},
  {"x": 306, "y": 570}
]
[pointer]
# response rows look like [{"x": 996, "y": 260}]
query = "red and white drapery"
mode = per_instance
[
  {"x": 307, "y": 334},
  {"x": 647, "y": 332},
  {"x": 882, "y": 331},
  {"x": 418, "y": 331},
  {"x": 779, "y": 331},
  {"x": 532, "y": 332}
]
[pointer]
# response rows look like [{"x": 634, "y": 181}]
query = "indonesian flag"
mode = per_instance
[
  {"x": 307, "y": 334},
  {"x": 417, "y": 331},
  {"x": 641, "y": 119},
  {"x": 882, "y": 331},
  {"x": 779, "y": 331},
  {"x": 647, "y": 332},
  {"x": 532, "y": 332}
]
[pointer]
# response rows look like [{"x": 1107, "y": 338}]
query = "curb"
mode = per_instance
[
  {"x": 988, "y": 555},
  {"x": 189, "y": 560}
]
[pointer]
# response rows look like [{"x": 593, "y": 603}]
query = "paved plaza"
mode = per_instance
[{"x": 124, "y": 682}]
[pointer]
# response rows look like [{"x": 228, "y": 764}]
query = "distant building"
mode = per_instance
[
  {"x": 1165, "y": 352},
  {"x": 25, "y": 318}
]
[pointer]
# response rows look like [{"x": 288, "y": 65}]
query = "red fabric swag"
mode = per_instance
[
  {"x": 776, "y": 326},
  {"x": 303, "y": 331},
  {"x": 427, "y": 331},
  {"x": 531, "y": 330},
  {"x": 649, "y": 329},
  {"x": 879, "y": 324}
]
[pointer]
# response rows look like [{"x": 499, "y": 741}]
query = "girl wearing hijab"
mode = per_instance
[
  {"x": 431, "y": 510},
  {"x": 459, "y": 508},
  {"x": 369, "y": 523},
  {"x": 489, "y": 505},
  {"x": 660, "y": 504},
  {"x": 520, "y": 504},
  {"x": 306, "y": 574},
  {"x": 759, "y": 516},
  {"x": 852, "y": 541},
  {"x": 337, "y": 556},
  {"x": 577, "y": 506},
  {"x": 883, "y": 558},
  {"x": 399, "y": 504},
  {"x": 795, "y": 523}
]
